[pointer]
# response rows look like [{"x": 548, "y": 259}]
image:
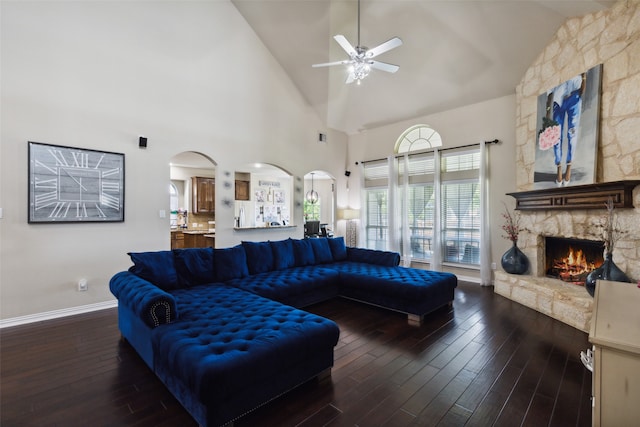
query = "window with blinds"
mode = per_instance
[
  {"x": 376, "y": 182},
  {"x": 419, "y": 170},
  {"x": 377, "y": 226},
  {"x": 460, "y": 192},
  {"x": 459, "y": 204}
]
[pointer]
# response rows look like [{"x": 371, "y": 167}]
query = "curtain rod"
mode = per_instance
[{"x": 495, "y": 141}]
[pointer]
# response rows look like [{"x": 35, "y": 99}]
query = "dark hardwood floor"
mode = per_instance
[{"x": 487, "y": 361}]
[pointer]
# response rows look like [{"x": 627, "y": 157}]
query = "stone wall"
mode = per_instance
[{"x": 611, "y": 38}]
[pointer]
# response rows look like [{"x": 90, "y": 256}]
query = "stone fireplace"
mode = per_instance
[
  {"x": 611, "y": 38},
  {"x": 562, "y": 238}
]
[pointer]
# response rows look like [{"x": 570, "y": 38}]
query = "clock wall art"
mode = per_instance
[{"x": 68, "y": 184}]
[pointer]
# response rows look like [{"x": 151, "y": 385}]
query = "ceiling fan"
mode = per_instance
[{"x": 360, "y": 60}]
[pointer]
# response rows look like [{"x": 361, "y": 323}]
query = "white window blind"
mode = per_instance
[
  {"x": 376, "y": 179},
  {"x": 420, "y": 203},
  {"x": 461, "y": 206}
]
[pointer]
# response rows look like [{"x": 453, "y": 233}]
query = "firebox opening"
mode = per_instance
[{"x": 571, "y": 260}]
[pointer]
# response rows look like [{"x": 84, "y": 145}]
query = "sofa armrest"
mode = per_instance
[
  {"x": 372, "y": 256},
  {"x": 153, "y": 305}
]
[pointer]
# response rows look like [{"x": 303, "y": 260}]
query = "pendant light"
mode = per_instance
[{"x": 312, "y": 195}]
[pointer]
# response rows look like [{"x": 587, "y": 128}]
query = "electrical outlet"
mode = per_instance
[
  {"x": 493, "y": 266},
  {"x": 83, "y": 285}
]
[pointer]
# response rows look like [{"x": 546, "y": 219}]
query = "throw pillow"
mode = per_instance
[
  {"x": 283, "y": 256},
  {"x": 155, "y": 267},
  {"x": 230, "y": 263},
  {"x": 194, "y": 266},
  {"x": 259, "y": 257},
  {"x": 321, "y": 250},
  {"x": 303, "y": 251},
  {"x": 338, "y": 248}
]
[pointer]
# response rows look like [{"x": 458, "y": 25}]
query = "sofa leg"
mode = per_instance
[
  {"x": 414, "y": 319},
  {"x": 324, "y": 375}
]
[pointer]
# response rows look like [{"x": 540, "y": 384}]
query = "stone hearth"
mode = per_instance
[{"x": 566, "y": 302}]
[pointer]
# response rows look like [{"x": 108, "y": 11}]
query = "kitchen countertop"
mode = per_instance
[{"x": 187, "y": 231}]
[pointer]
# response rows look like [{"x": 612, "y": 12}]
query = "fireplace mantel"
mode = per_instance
[{"x": 590, "y": 196}]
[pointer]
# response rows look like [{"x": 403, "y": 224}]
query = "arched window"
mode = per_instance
[{"x": 417, "y": 138}]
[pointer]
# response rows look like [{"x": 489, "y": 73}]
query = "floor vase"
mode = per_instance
[
  {"x": 514, "y": 261},
  {"x": 607, "y": 271}
]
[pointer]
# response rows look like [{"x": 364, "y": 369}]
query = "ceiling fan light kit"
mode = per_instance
[{"x": 360, "y": 60}]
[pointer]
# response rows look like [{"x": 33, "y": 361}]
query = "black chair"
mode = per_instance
[{"x": 311, "y": 228}]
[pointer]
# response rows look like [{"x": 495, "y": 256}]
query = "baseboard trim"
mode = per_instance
[
  {"x": 468, "y": 278},
  {"x": 55, "y": 314}
]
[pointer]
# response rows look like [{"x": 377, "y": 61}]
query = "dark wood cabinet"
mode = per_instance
[
  {"x": 177, "y": 240},
  {"x": 186, "y": 239},
  {"x": 203, "y": 195},
  {"x": 197, "y": 240},
  {"x": 242, "y": 190}
]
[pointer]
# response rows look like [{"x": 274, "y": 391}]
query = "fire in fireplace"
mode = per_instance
[{"x": 571, "y": 260}]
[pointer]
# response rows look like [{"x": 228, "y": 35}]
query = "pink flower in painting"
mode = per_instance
[{"x": 549, "y": 137}]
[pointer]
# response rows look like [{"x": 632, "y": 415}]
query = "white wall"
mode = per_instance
[
  {"x": 485, "y": 121},
  {"x": 190, "y": 76}
]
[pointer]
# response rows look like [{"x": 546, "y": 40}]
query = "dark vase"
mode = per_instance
[
  {"x": 607, "y": 271},
  {"x": 514, "y": 261}
]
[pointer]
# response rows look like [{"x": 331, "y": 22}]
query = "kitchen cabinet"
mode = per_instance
[
  {"x": 197, "y": 240},
  {"x": 203, "y": 195},
  {"x": 177, "y": 240},
  {"x": 615, "y": 335},
  {"x": 242, "y": 189}
]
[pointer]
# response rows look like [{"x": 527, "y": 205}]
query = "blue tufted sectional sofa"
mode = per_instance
[{"x": 224, "y": 329}]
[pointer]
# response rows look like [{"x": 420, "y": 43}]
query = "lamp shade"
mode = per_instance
[{"x": 350, "y": 214}]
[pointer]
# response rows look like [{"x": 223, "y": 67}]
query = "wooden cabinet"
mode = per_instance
[
  {"x": 177, "y": 240},
  {"x": 203, "y": 195},
  {"x": 184, "y": 239},
  {"x": 242, "y": 190},
  {"x": 197, "y": 240},
  {"x": 615, "y": 335}
]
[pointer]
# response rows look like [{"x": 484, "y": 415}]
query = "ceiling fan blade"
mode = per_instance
[
  {"x": 383, "y": 66},
  {"x": 344, "y": 43},
  {"x": 384, "y": 47},
  {"x": 329, "y": 64}
]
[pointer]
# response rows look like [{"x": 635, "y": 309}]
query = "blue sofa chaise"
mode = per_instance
[{"x": 225, "y": 330}]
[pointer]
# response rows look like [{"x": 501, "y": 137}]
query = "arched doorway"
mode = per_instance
[
  {"x": 264, "y": 196},
  {"x": 321, "y": 207},
  {"x": 192, "y": 200}
]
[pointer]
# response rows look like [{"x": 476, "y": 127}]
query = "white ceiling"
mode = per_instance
[{"x": 454, "y": 52}]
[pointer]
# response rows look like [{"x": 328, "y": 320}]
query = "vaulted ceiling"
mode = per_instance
[{"x": 454, "y": 52}]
